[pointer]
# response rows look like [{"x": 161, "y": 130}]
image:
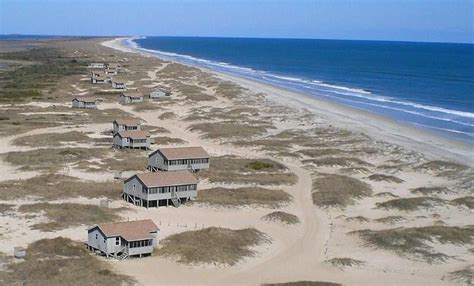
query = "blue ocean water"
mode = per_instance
[{"x": 429, "y": 85}]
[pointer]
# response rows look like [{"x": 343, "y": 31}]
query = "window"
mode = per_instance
[
  {"x": 104, "y": 240},
  {"x": 96, "y": 236},
  {"x": 117, "y": 240},
  {"x": 134, "y": 187}
]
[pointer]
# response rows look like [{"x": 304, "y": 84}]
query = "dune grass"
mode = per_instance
[
  {"x": 442, "y": 168},
  {"x": 47, "y": 187},
  {"x": 411, "y": 204},
  {"x": 427, "y": 191},
  {"x": 390, "y": 219},
  {"x": 51, "y": 139},
  {"x": 246, "y": 196},
  {"x": 415, "y": 242},
  {"x": 52, "y": 158},
  {"x": 167, "y": 116},
  {"x": 338, "y": 191},
  {"x": 282, "y": 217},
  {"x": 357, "y": 219},
  {"x": 385, "y": 178},
  {"x": 60, "y": 261},
  {"x": 345, "y": 262},
  {"x": 303, "y": 283},
  {"x": 66, "y": 215},
  {"x": 4, "y": 208},
  {"x": 321, "y": 152},
  {"x": 228, "y": 129},
  {"x": 467, "y": 202},
  {"x": 463, "y": 276},
  {"x": 164, "y": 140},
  {"x": 233, "y": 169},
  {"x": 337, "y": 161},
  {"x": 211, "y": 245}
]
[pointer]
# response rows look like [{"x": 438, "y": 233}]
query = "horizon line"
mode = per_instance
[{"x": 231, "y": 37}]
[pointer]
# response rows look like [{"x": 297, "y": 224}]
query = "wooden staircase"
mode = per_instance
[
  {"x": 123, "y": 255},
  {"x": 175, "y": 200}
]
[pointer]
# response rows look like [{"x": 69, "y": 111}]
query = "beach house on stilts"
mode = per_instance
[
  {"x": 160, "y": 188},
  {"x": 180, "y": 158},
  {"x": 123, "y": 239}
]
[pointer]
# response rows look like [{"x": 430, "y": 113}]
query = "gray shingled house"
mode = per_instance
[
  {"x": 132, "y": 140},
  {"x": 123, "y": 239},
  {"x": 160, "y": 188},
  {"x": 84, "y": 102},
  {"x": 126, "y": 124},
  {"x": 180, "y": 158}
]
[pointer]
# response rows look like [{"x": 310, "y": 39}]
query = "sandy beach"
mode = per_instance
[{"x": 359, "y": 184}]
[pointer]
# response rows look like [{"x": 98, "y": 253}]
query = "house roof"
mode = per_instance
[
  {"x": 164, "y": 179},
  {"x": 129, "y": 230},
  {"x": 134, "y": 134},
  {"x": 128, "y": 121},
  {"x": 86, "y": 98},
  {"x": 132, "y": 94},
  {"x": 182, "y": 153}
]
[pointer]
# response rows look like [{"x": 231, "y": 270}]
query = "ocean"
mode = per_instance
[{"x": 427, "y": 85}]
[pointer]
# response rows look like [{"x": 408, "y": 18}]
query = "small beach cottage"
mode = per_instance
[
  {"x": 159, "y": 93},
  {"x": 115, "y": 66},
  {"x": 126, "y": 124},
  {"x": 160, "y": 188},
  {"x": 123, "y": 239},
  {"x": 119, "y": 84},
  {"x": 130, "y": 97},
  {"x": 96, "y": 66},
  {"x": 110, "y": 71},
  {"x": 181, "y": 158},
  {"x": 132, "y": 140},
  {"x": 84, "y": 102}
]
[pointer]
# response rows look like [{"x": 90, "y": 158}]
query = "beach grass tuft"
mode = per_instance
[
  {"x": 282, "y": 217},
  {"x": 212, "y": 245},
  {"x": 331, "y": 190},
  {"x": 246, "y": 196}
]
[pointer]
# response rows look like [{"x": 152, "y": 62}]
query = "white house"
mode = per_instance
[
  {"x": 116, "y": 66},
  {"x": 132, "y": 140},
  {"x": 96, "y": 65},
  {"x": 160, "y": 188},
  {"x": 159, "y": 93},
  {"x": 99, "y": 79},
  {"x": 119, "y": 84},
  {"x": 180, "y": 158},
  {"x": 110, "y": 71},
  {"x": 123, "y": 239},
  {"x": 130, "y": 97},
  {"x": 126, "y": 124},
  {"x": 84, "y": 102}
]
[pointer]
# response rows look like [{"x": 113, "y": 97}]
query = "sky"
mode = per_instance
[{"x": 405, "y": 20}]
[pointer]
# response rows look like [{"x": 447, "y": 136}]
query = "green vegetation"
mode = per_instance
[
  {"x": 4, "y": 208},
  {"x": 443, "y": 168},
  {"x": 28, "y": 81},
  {"x": 345, "y": 262},
  {"x": 46, "y": 139},
  {"x": 211, "y": 245},
  {"x": 413, "y": 242},
  {"x": 464, "y": 276},
  {"x": 246, "y": 196},
  {"x": 164, "y": 140},
  {"x": 386, "y": 178},
  {"x": 411, "y": 204},
  {"x": 467, "y": 202},
  {"x": 52, "y": 186},
  {"x": 338, "y": 191},
  {"x": 283, "y": 217},
  {"x": 228, "y": 129},
  {"x": 303, "y": 283},
  {"x": 337, "y": 161},
  {"x": 60, "y": 261},
  {"x": 233, "y": 169},
  {"x": 390, "y": 219},
  {"x": 52, "y": 159},
  {"x": 66, "y": 215},
  {"x": 357, "y": 219},
  {"x": 427, "y": 191}
]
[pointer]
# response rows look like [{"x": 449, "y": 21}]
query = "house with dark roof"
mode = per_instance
[
  {"x": 180, "y": 158},
  {"x": 84, "y": 102},
  {"x": 160, "y": 188},
  {"x": 126, "y": 124},
  {"x": 132, "y": 140},
  {"x": 123, "y": 239},
  {"x": 130, "y": 97}
]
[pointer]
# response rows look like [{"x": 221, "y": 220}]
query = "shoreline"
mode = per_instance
[{"x": 375, "y": 126}]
